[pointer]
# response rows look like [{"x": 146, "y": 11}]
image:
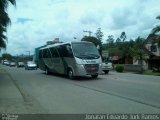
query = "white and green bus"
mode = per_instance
[{"x": 72, "y": 59}]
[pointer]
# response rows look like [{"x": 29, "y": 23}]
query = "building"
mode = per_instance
[{"x": 151, "y": 47}]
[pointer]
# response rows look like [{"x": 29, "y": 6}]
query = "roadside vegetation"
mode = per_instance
[
  {"x": 152, "y": 73},
  {"x": 119, "y": 68},
  {"x": 4, "y": 21}
]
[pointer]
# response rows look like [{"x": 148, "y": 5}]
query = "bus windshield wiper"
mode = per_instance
[
  {"x": 95, "y": 55},
  {"x": 82, "y": 56},
  {"x": 88, "y": 56}
]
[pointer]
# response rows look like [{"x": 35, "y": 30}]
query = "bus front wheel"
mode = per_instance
[
  {"x": 70, "y": 74},
  {"x": 94, "y": 76}
]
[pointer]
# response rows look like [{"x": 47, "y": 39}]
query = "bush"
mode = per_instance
[{"x": 119, "y": 68}]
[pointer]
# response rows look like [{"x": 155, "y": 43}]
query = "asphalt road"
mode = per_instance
[{"x": 112, "y": 93}]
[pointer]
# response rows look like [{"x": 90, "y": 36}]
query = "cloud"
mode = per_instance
[
  {"x": 122, "y": 19},
  {"x": 23, "y": 20},
  {"x": 34, "y": 23}
]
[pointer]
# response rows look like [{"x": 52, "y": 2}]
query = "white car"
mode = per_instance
[
  {"x": 30, "y": 65},
  {"x": 6, "y": 63},
  {"x": 106, "y": 67},
  {"x": 20, "y": 64},
  {"x": 12, "y": 64}
]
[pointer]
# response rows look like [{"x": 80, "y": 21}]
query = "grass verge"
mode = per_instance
[{"x": 152, "y": 73}]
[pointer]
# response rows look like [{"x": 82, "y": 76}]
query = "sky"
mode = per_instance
[{"x": 34, "y": 22}]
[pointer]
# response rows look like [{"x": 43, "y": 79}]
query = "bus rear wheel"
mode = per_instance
[
  {"x": 94, "y": 76},
  {"x": 106, "y": 71},
  {"x": 47, "y": 71},
  {"x": 70, "y": 74}
]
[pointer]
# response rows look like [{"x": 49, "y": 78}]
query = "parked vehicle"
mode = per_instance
[
  {"x": 30, "y": 65},
  {"x": 72, "y": 59},
  {"x": 12, "y": 64},
  {"x": 106, "y": 67},
  {"x": 6, "y": 63},
  {"x": 20, "y": 64}
]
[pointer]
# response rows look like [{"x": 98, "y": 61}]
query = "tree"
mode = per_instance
[
  {"x": 155, "y": 33},
  {"x": 4, "y": 21},
  {"x": 110, "y": 40},
  {"x": 138, "y": 52},
  {"x": 99, "y": 34},
  {"x": 118, "y": 40},
  {"x": 92, "y": 39},
  {"x": 123, "y": 36},
  {"x": 121, "y": 39},
  {"x": 124, "y": 48},
  {"x": 6, "y": 56}
]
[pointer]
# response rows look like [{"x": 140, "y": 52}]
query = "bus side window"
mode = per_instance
[
  {"x": 54, "y": 52},
  {"x": 44, "y": 53},
  {"x": 48, "y": 54},
  {"x": 67, "y": 51},
  {"x": 40, "y": 54}
]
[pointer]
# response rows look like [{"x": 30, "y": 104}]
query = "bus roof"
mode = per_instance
[{"x": 58, "y": 44}]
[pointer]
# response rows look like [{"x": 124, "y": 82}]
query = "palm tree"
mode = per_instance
[
  {"x": 138, "y": 53},
  {"x": 155, "y": 34},
  {"x": 4, "y": 21}
]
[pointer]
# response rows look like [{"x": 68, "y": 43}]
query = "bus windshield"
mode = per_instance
[{"x": 85, "y": 51}]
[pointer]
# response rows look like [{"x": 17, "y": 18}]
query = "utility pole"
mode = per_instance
[{"x": 89, "y": 32}]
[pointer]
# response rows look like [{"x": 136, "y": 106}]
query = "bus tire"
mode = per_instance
[
  {"x": 106, "y": 71},
  {"x": 47, "y": 71},
  {"x": 70, "y": 74},
  {"x": 94, "y": 76}
]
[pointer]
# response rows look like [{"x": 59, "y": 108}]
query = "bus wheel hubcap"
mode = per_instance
[{"x": 70, "y": 74}]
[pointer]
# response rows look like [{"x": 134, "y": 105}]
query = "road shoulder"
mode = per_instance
[{"x": 10, "y": 97}]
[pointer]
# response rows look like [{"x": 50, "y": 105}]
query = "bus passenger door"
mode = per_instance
[
  {"x": 57, "y": 65},
  {"x": 48, "y": 60}
]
